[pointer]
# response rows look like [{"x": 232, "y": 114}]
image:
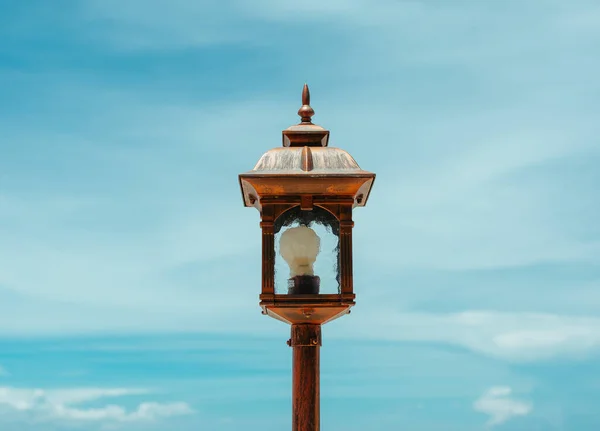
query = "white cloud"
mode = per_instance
[
  {"x": 62, "y": 404},
  {"x": 144, "y": 412},
  {"x": 496, "y": 403},
  {"x": 519, "y": 337}
]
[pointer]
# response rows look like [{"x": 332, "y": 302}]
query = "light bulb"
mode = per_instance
[{"x": 299, "y": 247}]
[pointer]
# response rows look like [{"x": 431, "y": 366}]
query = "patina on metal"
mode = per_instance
[{"x": 309, "y": 175}]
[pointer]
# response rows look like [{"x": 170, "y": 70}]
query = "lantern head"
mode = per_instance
[{"x": 305, "y": 192}]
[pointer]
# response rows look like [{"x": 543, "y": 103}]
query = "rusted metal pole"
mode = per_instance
[{"x": 306, "y": 342}]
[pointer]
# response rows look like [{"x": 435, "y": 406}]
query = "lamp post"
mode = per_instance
[{"x": 305, "y": 192}]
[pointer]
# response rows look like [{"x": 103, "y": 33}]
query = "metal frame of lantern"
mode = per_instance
[{"x": 306, "y": 173}]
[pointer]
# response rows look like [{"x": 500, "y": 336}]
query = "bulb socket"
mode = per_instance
[{"x": 304, "y": 285}]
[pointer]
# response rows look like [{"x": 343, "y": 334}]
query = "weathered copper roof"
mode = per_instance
[{"x": 313, "y": 160}]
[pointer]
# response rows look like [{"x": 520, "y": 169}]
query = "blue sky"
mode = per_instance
[{"x": 130, "y": 271}]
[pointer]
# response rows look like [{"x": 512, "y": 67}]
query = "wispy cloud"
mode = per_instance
[
  {"x": 160, "y": 24},
  {"x": 63, "y": 404},
  {"x": 497, "y": 403},
  {"x": 519, "y": 337}
]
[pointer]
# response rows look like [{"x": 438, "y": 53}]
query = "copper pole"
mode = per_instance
[{"x": 306, "y": 342}]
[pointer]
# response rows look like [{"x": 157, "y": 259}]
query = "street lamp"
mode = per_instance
[{"x": 305, "y": 192}]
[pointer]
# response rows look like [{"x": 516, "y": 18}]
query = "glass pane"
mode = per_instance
[{"x": 306, "y": 252}]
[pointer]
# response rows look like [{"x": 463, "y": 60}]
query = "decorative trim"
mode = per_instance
[
  {"x": 306, "y": 160},
  {"x": 346, "y": 225},
  {"x": 268, "y": 251}
]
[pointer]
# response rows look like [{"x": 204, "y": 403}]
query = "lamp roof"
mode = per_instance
[{"x": 305, "y": 164}]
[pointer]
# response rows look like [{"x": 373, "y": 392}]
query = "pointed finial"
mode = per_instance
[
  {"x": 305, "y": 95},
  {"x": 305, "y": 111},
  {"x": 305, "y": 134}
]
